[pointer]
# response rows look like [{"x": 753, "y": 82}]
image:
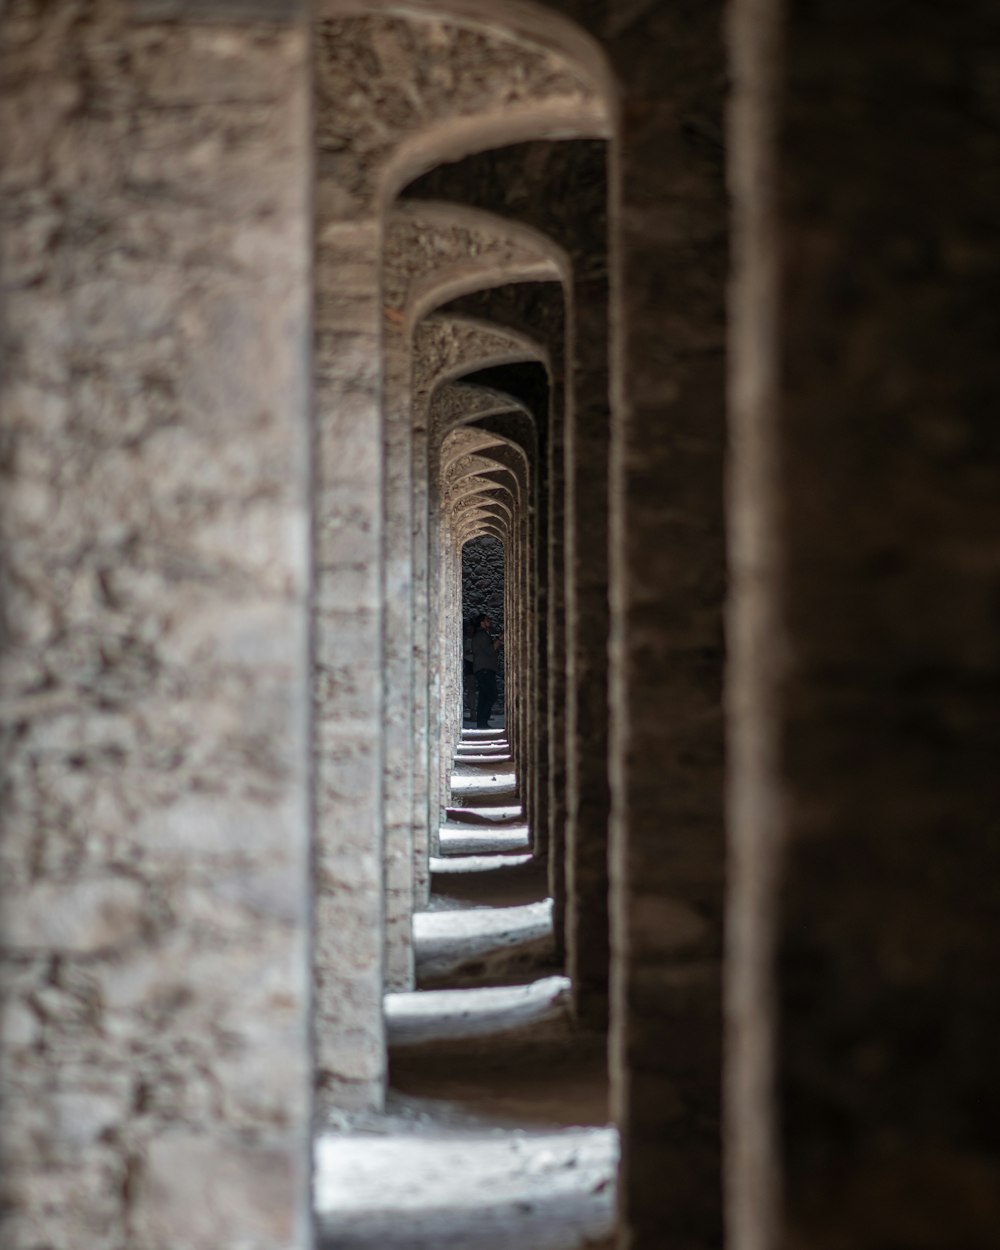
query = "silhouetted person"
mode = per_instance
[
  {"x": 469, "y": 684},
  {"x": 485, "y": 663}
]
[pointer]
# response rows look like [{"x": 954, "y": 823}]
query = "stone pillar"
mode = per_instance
[
  {"x": 455, "y": 639},
  {"x": 155, "y": 187},
  {"x": 588, "y": 425},
  {"x": 667, "y": 580},
  {"x": 425, "y": 833},
  {"x": 350, "y": 869},
  {"x": 864, "y": 711},
  {"x": 435, "y": 557},
  {"x": 538, "y": 813},
  {"x": 555, "y": 663},
  {"x": 397, "y": 661},
  {"x": 450, "y": 592}
]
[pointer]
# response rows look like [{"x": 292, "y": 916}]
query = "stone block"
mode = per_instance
[
  {"x": 203, "y": 1192},
  {"x": 86, "y": 916}
]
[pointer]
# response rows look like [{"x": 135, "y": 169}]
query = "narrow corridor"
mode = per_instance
[
  {"x": 635, "y": 362},
  {"x": 495, "y": 1129}
]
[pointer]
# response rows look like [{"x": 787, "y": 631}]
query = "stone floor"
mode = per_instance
[{"x": 495, "y": 1134}]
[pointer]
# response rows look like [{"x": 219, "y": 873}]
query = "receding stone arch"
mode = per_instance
[
  {"x": 429, "y": 253},
  {"x": 475, "y": 441},
  {"x": 505, "y": 181},
  {"x": 545, "y": 312},
  {"x": 457, "y": 403},
  {"x": 436, "y": 252},
  {"x": 447, "y": 349},
  {"x": 672, "y": 75},
  {"x": 474, "y": 462},
  {"x": 520, "y": 546},
  {"x": 454, "y": 403},
  {"x": 540, "y": 26},
  {"x": 360, "y": 142},
  {"x": 444, "y": 88},
  {"x": 473, "y": 482},
  {"x": 490, "y": 518},
  {"x": 641, "y": 40}
]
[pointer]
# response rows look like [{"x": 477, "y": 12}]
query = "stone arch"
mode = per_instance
[
  {"x": 505, "y": 181},
  {"x": 446, "y": 349},
  {"x": 651, "y": 48},
  {"x": 484, "y": 75},
  {"x": 430, "y": 252},
  {"x": 553, "y": 118},
  {"x": 358, "y": 144},
  {"x": 535, "y": 257},
  {"x": 520, "y": 546},
  {"x": 537, "y": 25}
]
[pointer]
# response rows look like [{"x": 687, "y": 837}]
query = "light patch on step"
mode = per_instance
[
  {"x": 476, "y": 841},
  {"x": 454, "y": 1189},
  {"x": 435, "y": 1015},
  {"x": 480, "y": 815},
  {"x": 482, "y": 782},
  {"x": 446, "y": 940},
  {"x": 448, "y": 866},
  {"x": 512, "y": 924}
]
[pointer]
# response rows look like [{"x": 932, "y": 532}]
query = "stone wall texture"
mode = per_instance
[
  {"x": 483, "y": 579},
  {"x": 869, "y": 581},
  {"x": 483, "y": 588},
  {"x": 154, "y": 191}
]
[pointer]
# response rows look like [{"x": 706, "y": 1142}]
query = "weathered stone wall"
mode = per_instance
[
  {"x": 483, "y": 579},
  {"x": 865, "y": 702},
  {"x": 669, "y": 218},
  {"x": 154, "y": 186},
  {"x": 483, "y": 589}
]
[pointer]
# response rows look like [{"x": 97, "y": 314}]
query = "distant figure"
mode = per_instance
[
  {"x": 485, "y": 663},
  {"x": 469, "y": 685}
]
